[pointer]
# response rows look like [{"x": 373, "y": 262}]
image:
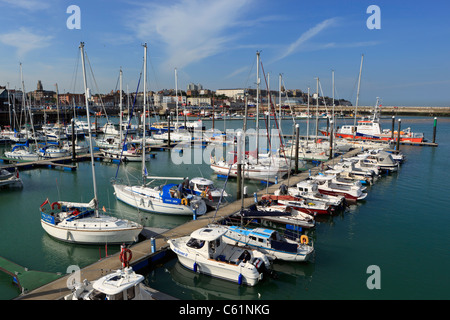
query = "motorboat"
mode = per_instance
[
  {"x": 381, "y": 159},
  {"x": 326, "y": 185},
  {"x": 271, "y": 243},
  {"x": 308, "y": 190},
  {"x": 370, "y": 129},
  {"x": 10, "y": 179},
  {"x": 205, "y": 188},
  {"x": 279, "y": 214},
  {"x": 335, "y": 177},
  {"x": 206, "y": 251},
  {"x": 122, "y": 284},
  {"x": 307, "y": 206},
  {"x": 129, "y": 152},
  {"x": 53, "y": 150},
  {"x": 256, "y": 171},
  {"x": 349, "y": 168}
]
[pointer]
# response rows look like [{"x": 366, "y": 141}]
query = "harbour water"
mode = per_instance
[{"x": 401, "y": 227}]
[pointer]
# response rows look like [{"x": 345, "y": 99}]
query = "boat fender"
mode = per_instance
[
  {"x": 184, "y": 201},
  {"x": 54, "y": 204},
  {"x": 240, "y": 279},
  {"x": 304, "y": 239},
  {"x": 195, "y": 267}
]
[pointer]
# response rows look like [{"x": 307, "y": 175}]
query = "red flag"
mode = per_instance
[{"x": 45, "y": 202}]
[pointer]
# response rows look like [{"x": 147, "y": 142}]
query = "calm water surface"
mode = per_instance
[{"x": 402, "y": 227}]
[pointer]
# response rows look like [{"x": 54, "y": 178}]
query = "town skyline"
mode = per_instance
[{"x": 214, "y": 43}]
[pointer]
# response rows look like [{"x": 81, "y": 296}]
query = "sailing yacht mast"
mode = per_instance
[
  {"x": 279, "y": 101},
  {"x": 176, "y": 95},
  {"x": 357, "y": 94},
  {"x": 144, "y": 171},
  {"x": 257, "y": 105},
  {"x": 120, "y": 107},
  {"x": 91, "y": 151}
]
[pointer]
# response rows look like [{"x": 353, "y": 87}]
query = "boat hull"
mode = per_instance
[
  {"x": 81, "y": 235},
  {"x": 376, "y": 138},
  {"x": 134, "y": 197},
  {"x": 217, "y": 269}
]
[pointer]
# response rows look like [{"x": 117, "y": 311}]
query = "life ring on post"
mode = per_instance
[
  {"x": 304, "y": 239},
  {"x": 56, "y": 204},
  {"x": 184, "y": 202},
  {"x": 125, "y": 256}
]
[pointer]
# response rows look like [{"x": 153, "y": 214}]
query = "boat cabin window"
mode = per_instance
[
  {"x": 97, "y": 295},
  {"x": 201, "y": 187},
  {"x": 195, "y": 243},
  {"x": 252, "y": 238}
]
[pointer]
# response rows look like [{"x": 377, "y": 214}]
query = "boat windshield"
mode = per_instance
[
  {"x": 97, "y": 295},
  {"x": 195, "y": 243}
]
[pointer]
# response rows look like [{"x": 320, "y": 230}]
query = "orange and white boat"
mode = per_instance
[{"x": 370, "y": 129}]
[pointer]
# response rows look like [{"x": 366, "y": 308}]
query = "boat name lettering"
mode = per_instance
[{"x": 180, "y": 252}]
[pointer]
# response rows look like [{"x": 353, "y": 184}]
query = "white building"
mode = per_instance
[{"x": 232, "y": 93}]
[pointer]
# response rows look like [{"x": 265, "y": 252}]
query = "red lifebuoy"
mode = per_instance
[
  {"x": 54, "y": 204},
  {"x": 125, "y": 256}
]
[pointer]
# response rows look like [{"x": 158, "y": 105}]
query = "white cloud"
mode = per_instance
[
  {"x": 25, "y": 41},
  {"x": 27, "y": 4},
  {"x": 307, "y": 35},
  {"x": 190, "y": 30}
]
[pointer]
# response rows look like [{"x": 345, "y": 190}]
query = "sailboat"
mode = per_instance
[
  {"x": 256, "y": 166},
  {"x": 165, "y": 199},
  {"x": 81, "y": 223}
]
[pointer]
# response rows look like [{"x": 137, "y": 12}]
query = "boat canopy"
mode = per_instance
[
  {"x": 208, "y": 234},
  {"x": 202, "y": 181}
]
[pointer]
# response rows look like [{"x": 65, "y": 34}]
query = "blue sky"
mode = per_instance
[{"x": 214, "y": 43}]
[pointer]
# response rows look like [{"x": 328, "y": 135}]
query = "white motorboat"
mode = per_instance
[
  {"x": 10, "y": 179},
  {"x": 312, "y": 208},
  {"x": 81, "y": 222},
  {"x": 350, "y": 192},
  {"x": 206, "y": 189},
  {"x": 51, "y": 151},
  {"x": 308, "y": 189},
  {"x": 206, "y": 251},
  {"x": 262, "y": 172},
  {"x": 122, "y": 284},
  {"x": 108, "y": 142},
  {"x": 381, "y": 159},
  {"x": 350, "y": 168},
  {"x": 130, "y": 152},
  {"x": 271, "y": 243},
  {"x": 334, "y": 176}
]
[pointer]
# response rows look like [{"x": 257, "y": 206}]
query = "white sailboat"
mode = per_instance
[
  {"x": 166, "y": 199},
  {"x": 81, "y": 222}
]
